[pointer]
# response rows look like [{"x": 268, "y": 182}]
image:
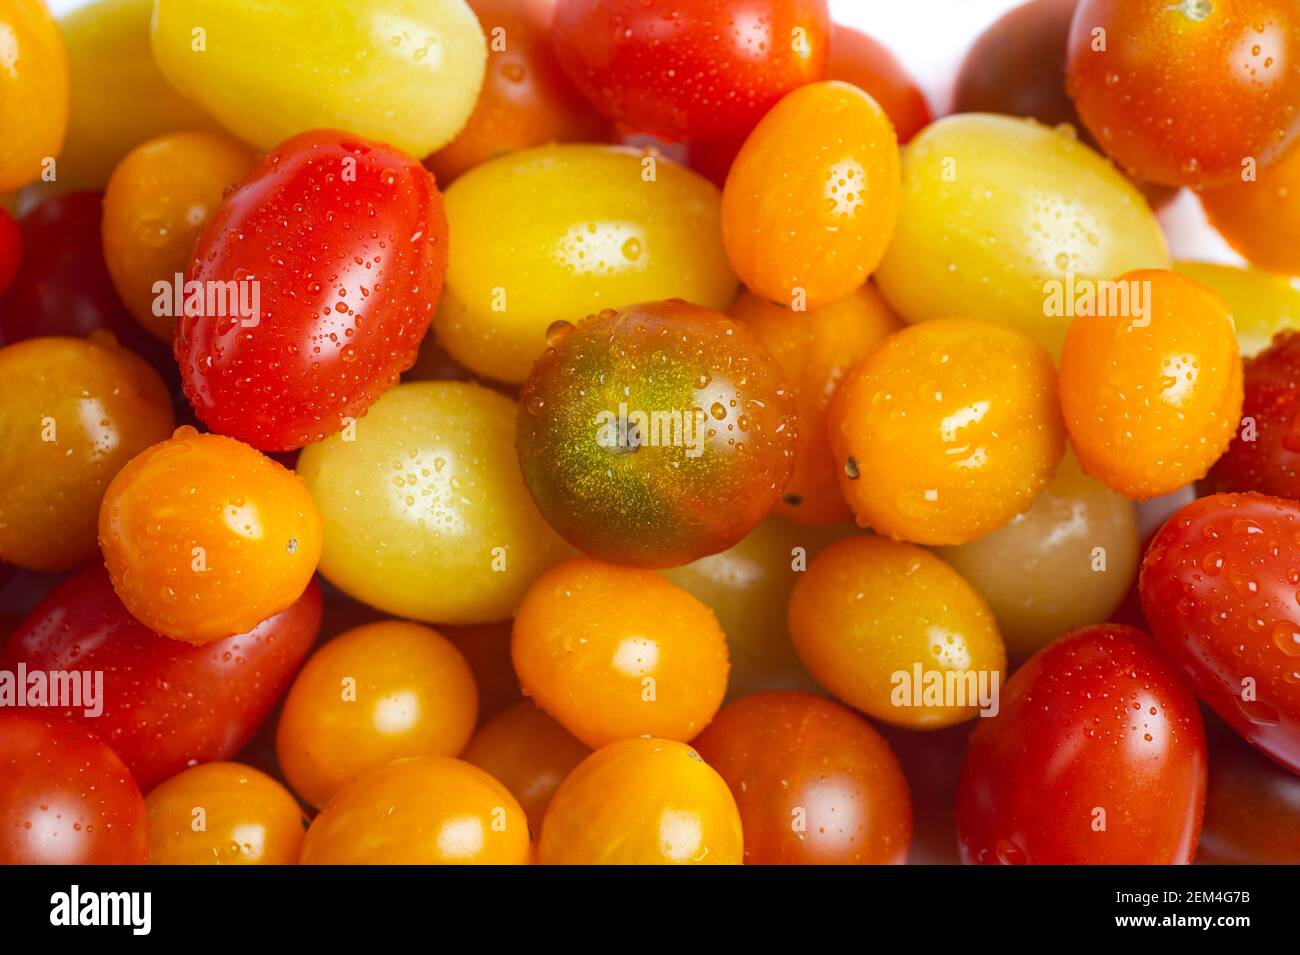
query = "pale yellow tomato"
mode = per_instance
[
  {"x": 33, "y": 91},
  {"x": 560, "y": 232},
  {"x": 1262, "y": 303}
]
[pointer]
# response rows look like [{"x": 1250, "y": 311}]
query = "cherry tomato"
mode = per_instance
[
  {"x": 946, "y": 431},
  {"x": 1152, "y": 393},
  {"x": 33, "y": 92},
  {"x": 72, "y": 413},
  {"x": 814, "y": 783},
  {"x": 165, "y": 705},
  {"x": 1262, "y": 304},
  {"x": 1097, "y": 756},
  {"x": 1066, "y": 562},
  {"x": 642, "y": 801},
  {"x": 1259, "y": 216},
  {"x": 119, "y": 98},
  {"x": 1252, "y": 806},
  {"x": 205, "y": 538},
  {"x": 526, "y": 99},
  {"x": 1265, "y": 452},
  {"x": 223, "y": 814},
  {"x": 748, "y": 587},
  {"x": 1183, "y": 92},
  {"x": 559, "y": 232},
  {"x": 995, "y": 210},
  {"x": 614, "y": 652},
  {"x": 157, "y": 202},
  {"x": 486, "y": 648},
  {"x": 406, "y": 74},
  {"x": 425, "y": 810},
  {"x": 656, "y": 434},
  {"x": 869, "y": 65},
  {"x": 876, "y": 622},
  {"x": 529, "y": 753},
  {"x": 65, "y": 798},
  {"x": 339, "y": 246},
  {"x": 700, "y": 69},
  {"x": 372, "y": 695},
  {"x": 450, "y": 535},
  {"x": 11, "y": 250},
  {"x": 811, "y": 200},
  {"x": 1219, "y": 585}
]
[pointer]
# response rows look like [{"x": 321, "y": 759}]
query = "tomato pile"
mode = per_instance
[{"x": 638, "y": 431}]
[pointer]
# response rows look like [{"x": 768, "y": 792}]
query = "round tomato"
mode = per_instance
[{"x": 33, "y": 92}]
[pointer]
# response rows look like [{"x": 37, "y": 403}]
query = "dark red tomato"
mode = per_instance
[
  {"x": 63, "y": 287},
  {"x": 1252, "y": 806},
  {"x": 1221, "y": 587},
  {"x": 690, "y": 69},
  {"x": 1265, "y": 453},
  {"x": 858, "y": 59},
  {"x": 1097, "y": 756},
  {"x": 345, "y": 243},
  {"x": 11, "y": 250},
  {"x": 815, "y": 784},
  {"x": 65, "y": 797},
  {"x": 167, "y": 704}
]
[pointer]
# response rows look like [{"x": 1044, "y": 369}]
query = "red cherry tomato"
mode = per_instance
[
  {"x": 690, "y": 69},
  {"x": 65, "y": 798},
  {"x": 166, "y": 704},
  {"x": 1097, "y": 756},
  {"x": 869, "y": 65},
  {"x": 1221, "y": 587},
  {"x": 345, "y": 243},
  {"x": 11, "y": 250}
]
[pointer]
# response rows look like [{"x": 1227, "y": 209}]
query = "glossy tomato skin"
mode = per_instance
[
  {"x": 815, "y": 784},
  {"x": 33, "y": 92},
  {"x": 700, "y": 69},
  {"x": 65, "y": 798},
  {"x": 869, "y": 65},
  {"x": 1264, "y": 454},
  {"x": 1219, "y": 585},
  {"x": 1183, "y": 93},
  {"x": 166, "y": 704},
  {"x": 348, "y": 242},
  {"x": 1260, "y": 216},
  {"x": 1097, "y": 756}
]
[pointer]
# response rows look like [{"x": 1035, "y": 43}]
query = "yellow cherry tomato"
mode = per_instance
[
  {"x": 223, "y": 814},
  {"x": 748, "y": 586},
  {"x": 157, "y": 202},
  {"x": 1066, "y": 562},
  {"x": 72, "y": 413},
  {"x": 947, "y": 431},
  {"x": 895, "y": 632},
  {"x": 995, "y": 209},
  {"x": 560, "y": 232},
  {"x": 613, "y": 652},
  {"x": 407, "y": 74},
  {"x": 1262, "y": 303},
  {"x": 33, "y": 92},
  {"x": 642, "y": 801},
  {"x": 424, "y": 810},
  {"x": 812, "y": 197},
  {"x": 119, "y": 98},
  {"x": 426, "y": 514},
  {"x": 816, "y": 349},
  {"x": 205, "y": 537},
  {"x": 372, "y": 695},
  {"x": 1152, "y": 394},
  {"x": 529, "y": 753}
]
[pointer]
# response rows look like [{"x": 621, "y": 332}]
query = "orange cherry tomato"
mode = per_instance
[
  {"x": 205, "y": 537},
  {"x": 816, "y": 349},
  {"x": 810, "y": 203},
  {"x": 881, "y": 623},
  {"x": 529, "y": 753},
  {"x": 869, "y": 65},
  {"x": 223, "y": 814},
  {"x": 814, "y": 783},
  {"x": 33, "y": 92},
  {"x": 425, "y": 810},
  {"x": 526, "y": 99},
  {"x": 1260, "y": 217},
  {"x": 613, "y": 652},
  {"x": 1152, "y": 400},
  {"x": 642, "y": 801},
  {"x": 486, "y": 648},
  {"x": 947, "y": 431},
  {"x": 156, "y": 204},
  {"x": 72, "y": 412},
  {"x": 372, "y": 695}
]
